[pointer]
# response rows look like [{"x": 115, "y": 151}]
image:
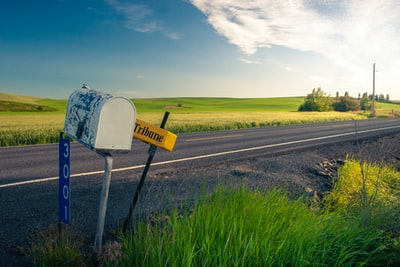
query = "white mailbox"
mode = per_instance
[{"x": 100, "y": 121}]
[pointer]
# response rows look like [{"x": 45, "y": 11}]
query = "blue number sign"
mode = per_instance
[{"x": 64, "y": 181}]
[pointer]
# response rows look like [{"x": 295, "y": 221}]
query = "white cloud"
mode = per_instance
[
  {"x": 352, "y": 34},
  {"x": 173, "y": 35},
  {"x": 137, "y": 17},
  {"x": 316, "y": 78},
  {"x": 140, "y": 18},
  {"x": 250, "y": 61}
]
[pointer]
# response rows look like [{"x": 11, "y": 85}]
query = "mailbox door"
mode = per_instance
[{"x": 116, "y": 124}]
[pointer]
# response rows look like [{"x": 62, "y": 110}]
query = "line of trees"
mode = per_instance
[{"x": 318, "y": 100}]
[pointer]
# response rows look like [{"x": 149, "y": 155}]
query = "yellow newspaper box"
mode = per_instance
[{"x": 100, "y": 121}]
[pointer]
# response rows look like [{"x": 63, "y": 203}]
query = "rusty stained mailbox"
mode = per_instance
[
  {"x": 105, "y": 124},
  {"x": 100, "y": 121}
]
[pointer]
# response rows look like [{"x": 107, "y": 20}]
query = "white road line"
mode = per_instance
[
  {"x": 72, "y": 175},
  {"x": 213, "y": 138},
  {"x": 201, "y": 156}
]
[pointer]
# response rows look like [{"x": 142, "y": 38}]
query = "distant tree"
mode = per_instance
[
  {"x": 381, "y": 98},
  {"x": 359, "y": 96},
  {"x": 346, "y": 103},
  {"x": 346, "y": 94},
  {"x": 387, "y": 98},
  {"x": 337, "y": 94},
  {"x": 371, "y": 97},
  {"x": 316, "y": 101},
  {"x": 365, "y": 102}
]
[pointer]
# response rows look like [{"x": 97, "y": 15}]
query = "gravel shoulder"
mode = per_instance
[
  {"x": 311, "y": 171},
  {"x": 305, "y": 172}
]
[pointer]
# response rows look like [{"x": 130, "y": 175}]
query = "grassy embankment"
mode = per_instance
[
  {"x": 354, "y": 225},
  {"x": 29, "y": 120}
]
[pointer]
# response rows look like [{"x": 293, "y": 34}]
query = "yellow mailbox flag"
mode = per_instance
[{"x": 154, "y": 135}]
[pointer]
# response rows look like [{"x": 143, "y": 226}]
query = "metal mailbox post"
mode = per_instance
[{"x": 105, "y": 124}]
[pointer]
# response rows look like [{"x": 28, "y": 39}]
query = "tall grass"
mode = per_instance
[
  {"x": 197, "y": 122},
  {"x": 361, "y": 184},
  {"x": 247, "y": 228},
  {"x": 356, "y": 225},
  {"x": 33, "y": 128},
  {"x": 370, "y": 192},
  {"x": 58, "y": 247},
  {"x": 26, "y": 129}
]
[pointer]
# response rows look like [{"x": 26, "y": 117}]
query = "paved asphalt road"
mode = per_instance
[
  {"x": 33, "y": 163},
  {"x": 28, "y": 174}
]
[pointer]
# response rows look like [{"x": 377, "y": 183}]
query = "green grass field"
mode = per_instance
[
  {"x": 180, "y": 105},
  {"x": 190, "y": 104},
  {"x": 31, "y": 120}
]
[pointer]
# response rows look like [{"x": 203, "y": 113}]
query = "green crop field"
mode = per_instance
[
  {"x": 189, "y": 105},
  {"x": 31, "y": 120},
  {"x": 182, "y": 105}
]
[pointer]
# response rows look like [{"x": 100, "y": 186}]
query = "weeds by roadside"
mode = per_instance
[
  {"x": 58, "y": 245},
  {"x": 250, "y": 228},
  {"x": 355, "y": 224},
  {"x": 28, "y": 129}
]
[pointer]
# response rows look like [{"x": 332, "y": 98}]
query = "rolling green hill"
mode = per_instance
[
  {"x": 12, "y": 102},
  {"x": 57, "y": 104},
  {"x": 23, "y": 107},
  {"x": 18, "y": 98},
  {"x": 21, "y": 103},
  {"x": 206, "y": 104}
]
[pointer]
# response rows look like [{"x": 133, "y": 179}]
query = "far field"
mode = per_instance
[
  {"x": 31, "y": 120},
  {"x": 177, "y": 105}
]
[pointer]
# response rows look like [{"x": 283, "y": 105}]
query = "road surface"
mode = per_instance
[{"x": 20, "y": 165}]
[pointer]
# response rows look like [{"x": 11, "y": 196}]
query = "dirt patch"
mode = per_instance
[{"x": 174, "y": 107}]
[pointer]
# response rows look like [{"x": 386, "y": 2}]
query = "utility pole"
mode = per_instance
[{"x": 373, "y": 93}]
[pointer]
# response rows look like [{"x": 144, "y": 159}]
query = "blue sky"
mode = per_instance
[{"x": 214, "y": 48}]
